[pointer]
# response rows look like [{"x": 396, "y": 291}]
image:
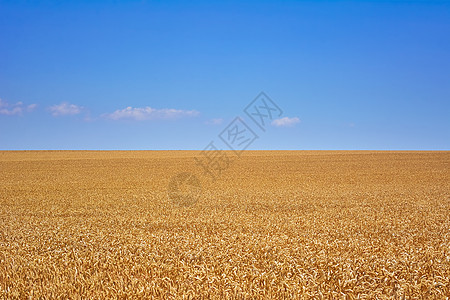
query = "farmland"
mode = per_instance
[{"x": 293, "y": 224}]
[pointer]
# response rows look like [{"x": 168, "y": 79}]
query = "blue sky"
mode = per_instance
[{"x": 174, "y": 74}]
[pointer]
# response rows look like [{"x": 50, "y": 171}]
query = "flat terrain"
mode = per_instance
[{"x": 293, "y": 224}]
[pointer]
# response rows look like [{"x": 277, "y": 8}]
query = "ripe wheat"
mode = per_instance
[{"x": 308, "y": 224}]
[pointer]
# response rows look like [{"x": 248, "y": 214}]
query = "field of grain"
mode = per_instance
[{"x": 275, "y": 224}]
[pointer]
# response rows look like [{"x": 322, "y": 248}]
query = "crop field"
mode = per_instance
[{"x": 274, "y": 224}]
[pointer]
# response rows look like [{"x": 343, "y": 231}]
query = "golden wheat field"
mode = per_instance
[{"x": 275, "y": 224}]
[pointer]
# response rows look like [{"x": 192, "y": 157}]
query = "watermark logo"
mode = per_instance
[
  {"x": 213, "y": 161},
  {"x": 185, "y": 188},
  {"x": 263, "y": 110},
  {"x": 238, "y": 136}
]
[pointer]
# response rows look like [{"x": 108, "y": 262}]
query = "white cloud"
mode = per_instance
[
  {"x": 31, "y": 107},
  {"x": 217, "y": 121},
  {"x": 285, "y": 122},
  {"x": 148, "y": 113},
  {"x": 65, "y": 109},
  {"x": 14, "y": 109}
]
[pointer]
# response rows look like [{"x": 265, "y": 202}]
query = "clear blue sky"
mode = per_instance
[{"x": 173, "y": 74}]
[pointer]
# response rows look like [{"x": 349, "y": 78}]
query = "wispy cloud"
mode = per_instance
[
  {"x": 149, "y": 113},
  {"x": 15, "y": 109},
  {"x": 217, "y": 121},
  {"x": 64, "y": 109},
  {"x": 285, "y": 122},
  {"x": 31, "y": 107}
]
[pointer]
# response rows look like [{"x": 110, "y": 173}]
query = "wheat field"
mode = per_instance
[{"x": 275, "y": 224}]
